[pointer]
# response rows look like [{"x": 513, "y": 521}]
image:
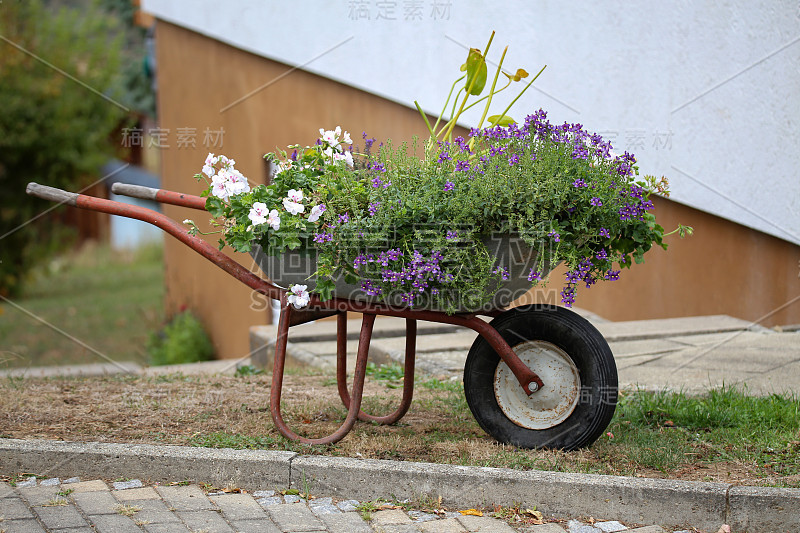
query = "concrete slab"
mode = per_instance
[
  {"x": 625, "y": 349},
  {"x": 667, "y": 327}
]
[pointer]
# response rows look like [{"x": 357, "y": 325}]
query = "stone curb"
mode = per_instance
[{"x": 666, "y": 502}]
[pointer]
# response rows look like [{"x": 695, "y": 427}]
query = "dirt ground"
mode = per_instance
[{"x": 231, "y": 411}]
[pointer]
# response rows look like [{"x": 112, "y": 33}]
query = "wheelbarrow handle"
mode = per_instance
[
  {"x": 51, "y": 193},
  {"x": 134, "y": 191},
  {"x": 162, "y": 196}
]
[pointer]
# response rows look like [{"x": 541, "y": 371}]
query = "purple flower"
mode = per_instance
[
  {"x": 503, "y": 273},
  {"x": 602, "y": 254},
  {"x": 513, "y": 160},
  {"x": 578, "y": 183},
  {"x": 322, "y": 238},
  {"x": 604, "y": 233},
  {"x": 444, "y": 156},
  {"x": 462, "y": 166},
  {"x": 451, "y": 234},
  {"x": 370, "y": 288},
  {"x": 449, "y": 186},
  {"x": 595, "y": 201},
  {"x": 373, "y": 208},
  {"x": 568, "y": 295},
  {"x": 534, "y": 275},
  {"x": 612, "y": 275},
  {"x": 556, "y": 237},
  {"x": 344, "y": 219}
]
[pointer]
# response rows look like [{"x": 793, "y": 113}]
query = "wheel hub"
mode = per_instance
[{"x": 548, "y": 406}]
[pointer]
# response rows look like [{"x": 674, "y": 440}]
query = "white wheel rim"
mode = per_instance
[{"x": 548, "y": 406}]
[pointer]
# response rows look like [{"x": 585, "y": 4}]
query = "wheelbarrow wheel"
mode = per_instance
[{"x": 572, "y": 358}]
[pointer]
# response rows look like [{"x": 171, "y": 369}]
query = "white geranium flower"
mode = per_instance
[
  {"x": 295, "y": 195},
  {"x": 228, "y": 182},
  {"x": 218, "y": 187},
  {"x": 293, "y": 208},
  {"x": 258, "y": 213},
  {"x": 330, "y": 138},
  {"x": 299, "y": 296},
  {"x": 274, "y": 220},
  {"x": 208, "y": 170},
  {"x": 316, "y": 212},
  {"x": 210, "y": 160},
  {"x": 348, "y": 158},
  {"x": 346, "y": 138}
]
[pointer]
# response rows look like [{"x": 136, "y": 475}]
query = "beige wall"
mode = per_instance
[{"x": 724, "y": 268}]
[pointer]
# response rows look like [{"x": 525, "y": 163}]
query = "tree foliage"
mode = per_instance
[{"x": 60, "y": 102}]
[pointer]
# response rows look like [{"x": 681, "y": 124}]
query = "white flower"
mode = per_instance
[
  {"x": 293, "y": 207},
  {"x": 208, "y": 170},
  {"x": 218, "y": 188},
  {"x": 346, "y": 138},
  {"x": 211, "y": 160},
  {"x": 330, "y": 137},
  {"x": 274, "y": 220},
  {"x": 348, "y": 158},
  {"x": 299, "y": 296},
  {"x": 187, "y": 221},
  {"x": 228, "y": 182},
  {"x": 316, "y": 212},
  {"x": 295, "y": 196},
  {"x": 258, "y": 213}
]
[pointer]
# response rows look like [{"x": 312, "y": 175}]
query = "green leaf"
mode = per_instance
[
  {"x": 501, "y": 120},
  {"x": 215, "y": 206},
  {"x": 476, "y": 72}
]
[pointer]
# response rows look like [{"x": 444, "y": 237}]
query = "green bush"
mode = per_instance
[
  {"x": 59, "y": 97},
  {"x": 183, "y": 340}
]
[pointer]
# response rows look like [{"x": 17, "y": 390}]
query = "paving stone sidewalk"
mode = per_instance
[{"x": 75, "y": 506}]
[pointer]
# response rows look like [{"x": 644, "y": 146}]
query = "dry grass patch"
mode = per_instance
[{"x": 228, "y": 411}]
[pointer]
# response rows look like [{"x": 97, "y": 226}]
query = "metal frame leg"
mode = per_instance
[
  {"x": 408, "y": 376},
  {"x": 277, "y": 379}
]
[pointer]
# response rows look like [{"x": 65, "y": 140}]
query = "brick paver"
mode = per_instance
[
  {"x": 29, "y": 525},
  {"x": 295, "y": 517},
  {"x": 345, "y": 523},
  {"x": 97, "y": 502},
  {"x": 144, "y": 493},
  {"x": 59, "y": 517},
  {"x": 209, "y": 521},
  {"x": 239, "y": 507},
  {"x": 188, "y": 498},
  {"x": 114, "y": 523}
]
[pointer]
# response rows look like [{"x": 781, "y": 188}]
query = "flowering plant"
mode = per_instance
[{"x": 412, "y": 225}]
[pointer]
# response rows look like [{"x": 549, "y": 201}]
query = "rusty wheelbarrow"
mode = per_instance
[{"x": 537, "y": 376}]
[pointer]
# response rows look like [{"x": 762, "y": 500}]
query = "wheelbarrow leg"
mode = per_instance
[
  {"x": 408, "y": 375},
  {"x": 277, "y": 380}
]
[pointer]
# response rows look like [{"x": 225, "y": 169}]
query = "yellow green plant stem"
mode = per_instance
[
  {"x": 449, "y": 132},
  {"x": 491, "y": 90}
]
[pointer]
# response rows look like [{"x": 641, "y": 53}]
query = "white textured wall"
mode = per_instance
[{"x": 705, "y": 93}]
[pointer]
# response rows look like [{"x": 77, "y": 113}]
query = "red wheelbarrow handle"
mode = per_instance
[{"x": 162, "y": 221}]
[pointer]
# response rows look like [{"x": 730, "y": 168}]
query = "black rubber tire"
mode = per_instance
[{"x": 583, "y": 344}]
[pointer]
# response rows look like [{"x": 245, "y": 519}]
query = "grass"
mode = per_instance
[
  {"x": 725, "y": 436},
  {"x": 108, "y": 300}
]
